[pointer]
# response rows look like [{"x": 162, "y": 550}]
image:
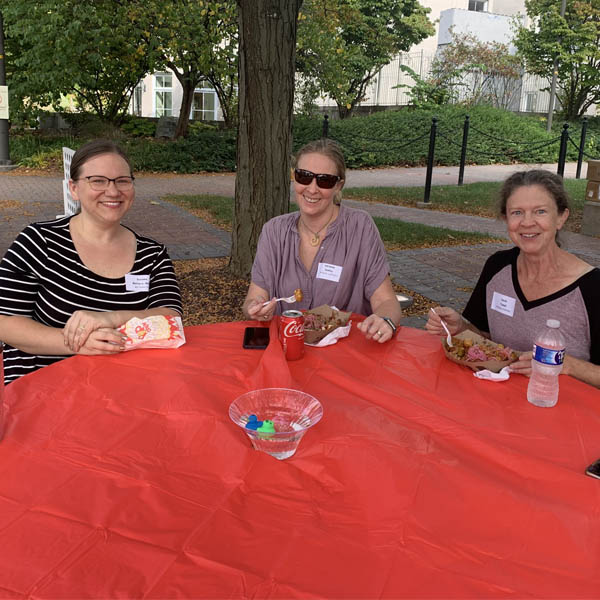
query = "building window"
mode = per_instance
[
  {"x": 530, "y": 102},
  {"x": 163, "y": 94},
  {"x": 204, "y": 107},
  {"x": 478, "y": 5},
  {"x": 136, "y": 100}
]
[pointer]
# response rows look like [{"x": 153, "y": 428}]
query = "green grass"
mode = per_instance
[
  {"x": 471, "y": 199},
  {"x": 398, "y": 234},
  {"x": 394, "y": 233}
]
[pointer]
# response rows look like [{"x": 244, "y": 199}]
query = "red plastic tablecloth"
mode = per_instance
[{"x": 124, "y": 477}]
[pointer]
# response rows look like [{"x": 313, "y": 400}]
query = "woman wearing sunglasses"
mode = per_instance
[
  {"x": 333, "y": 253},
  {"x": 68, "y": 284}
]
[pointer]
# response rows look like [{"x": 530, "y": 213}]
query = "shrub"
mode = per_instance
[
  {"x": 139, "y": 126},
  {"x": 387, "y": 138}
]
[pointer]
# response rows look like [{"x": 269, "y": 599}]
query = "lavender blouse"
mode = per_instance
[{"x": 349, "y": 266}]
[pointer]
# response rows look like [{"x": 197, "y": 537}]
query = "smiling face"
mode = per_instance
[
  {"x": 110, "y": 205},
  {"x": 532, "y": 219},
  {"x": 315, "y": 202}
]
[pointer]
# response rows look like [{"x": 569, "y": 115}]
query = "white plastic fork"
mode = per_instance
[
  {"x": 292, "y": 298},
  {"x": 449, "y": 336}
]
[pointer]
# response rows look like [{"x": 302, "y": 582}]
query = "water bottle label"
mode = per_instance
[{"x": 548, "y": 356}]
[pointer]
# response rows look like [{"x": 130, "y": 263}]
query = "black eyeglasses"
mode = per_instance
[
  {"x": 99, "y": 183},
  {"x": 324, "y": 180}
]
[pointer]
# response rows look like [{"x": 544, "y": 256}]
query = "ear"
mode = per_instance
[
  {"x": 73, "y": 189},
  {"x": 562, "y": 218}
]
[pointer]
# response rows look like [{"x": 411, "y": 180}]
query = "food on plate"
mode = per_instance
[
  {"x": 480, "y": 350},
  {"x": 316, "y": 322},
  {"x": 298, "y": 295},
  {"x": 321, "y": 321}
]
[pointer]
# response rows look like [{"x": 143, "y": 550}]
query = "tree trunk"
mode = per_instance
[
  {"x": 267, "y": 47},
  {"x": 183, "y": 122}
]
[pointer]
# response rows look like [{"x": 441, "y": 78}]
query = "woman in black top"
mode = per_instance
[
  {"x": 69, "y": 284},
  {"x": 520, "y": 288}
]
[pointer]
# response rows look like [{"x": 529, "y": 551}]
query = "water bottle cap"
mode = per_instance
[{"x": 553, "y": 323}]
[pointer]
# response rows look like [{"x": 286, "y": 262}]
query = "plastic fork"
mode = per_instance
[
  {"x": 448, "y": 336},
  {"x": 292, "y": 298}
]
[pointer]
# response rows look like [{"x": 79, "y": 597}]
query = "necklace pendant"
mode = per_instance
[{"x": 314, "y": 241}]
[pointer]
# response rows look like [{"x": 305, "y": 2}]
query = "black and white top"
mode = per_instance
[
  {"x": 43, "y": 278},
  {"x": 498, "y": 306}
]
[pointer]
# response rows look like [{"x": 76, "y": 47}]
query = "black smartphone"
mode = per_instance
[
  {"x": 594, "y": 469},
  {"x": 256, "y": 338}
]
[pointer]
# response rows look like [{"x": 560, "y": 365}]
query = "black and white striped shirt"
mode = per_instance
[{"x": 42, "y": 277}]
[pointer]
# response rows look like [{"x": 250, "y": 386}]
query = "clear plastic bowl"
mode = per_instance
[{"x": 293, "y": 413}]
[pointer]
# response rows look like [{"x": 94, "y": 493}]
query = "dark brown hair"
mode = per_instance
[
  {"x": 331, "y": 150},
  {"x": 92, "y": 149}
]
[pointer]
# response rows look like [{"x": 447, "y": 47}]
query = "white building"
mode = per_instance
[
  {"x": 490, "y": 20},
  {"x": 160, "y": 94}
]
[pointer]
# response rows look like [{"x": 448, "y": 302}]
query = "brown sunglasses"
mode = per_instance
[{"x": 324, "y": 180}]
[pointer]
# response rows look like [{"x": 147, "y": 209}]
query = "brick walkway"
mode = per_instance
[{"x": 446, "y": 275}]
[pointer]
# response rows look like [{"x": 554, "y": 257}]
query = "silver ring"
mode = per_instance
[{"x": 378, "y": 333}]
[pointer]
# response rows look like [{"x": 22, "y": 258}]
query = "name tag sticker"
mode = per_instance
[
  {"x": 137, "y": 283},
  {"x": 330, "y": 272},
  {"x": 503, "y": 304}
]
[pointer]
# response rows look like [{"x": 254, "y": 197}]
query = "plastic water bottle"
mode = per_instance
[{"x": 548, "y": 356}]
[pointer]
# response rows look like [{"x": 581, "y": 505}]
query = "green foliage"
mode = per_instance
[
  {"x": 433, "y": 91},
  {"x": 390, "y": 138},
  {"x": 572, "y": 41},
  {"x": 481, "y": 72},
  {"x": 139, "y": 126},
  {"x": 342, "y": 44},
  {"x": 92, "y": 49},
  {"x": 205, "y": 150},
  {"x": 197, "y": 40},
  {"x": 402, "y": 137}
]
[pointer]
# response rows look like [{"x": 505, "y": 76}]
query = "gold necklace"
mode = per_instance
[{"x": 316, "y": 238}]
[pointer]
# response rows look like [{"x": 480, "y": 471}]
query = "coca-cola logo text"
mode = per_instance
[{"x": 293, "y": 329}]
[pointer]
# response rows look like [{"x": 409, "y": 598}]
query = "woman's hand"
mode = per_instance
[
  {"x": 102, "y": 341},
  {"x": 452, "y": 319},
  {"x": 257, "y": 309},
  {"x": 83, "y": 322},
  {"x": 375, "y": 328},
  {"x": 522, "y": 366}
]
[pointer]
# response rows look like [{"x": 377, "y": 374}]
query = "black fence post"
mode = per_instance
[
  {"x": 581, "y": 146},
  {"x": 562, "y": 153},
  {"x": 432, "y": 135},
  {"x": 325, "y": 126},
  {"x": 463, "y": 151}
]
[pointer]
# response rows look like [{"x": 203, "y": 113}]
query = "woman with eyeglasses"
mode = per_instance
[
  {"x": 333, "y": 253},
  {"x": 69, "y": 284}
]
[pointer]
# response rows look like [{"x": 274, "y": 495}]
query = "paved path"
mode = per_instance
[{"x": 446, "y": 275}]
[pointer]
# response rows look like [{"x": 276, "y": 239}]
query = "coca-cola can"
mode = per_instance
[{"x": 291, "y": 334}]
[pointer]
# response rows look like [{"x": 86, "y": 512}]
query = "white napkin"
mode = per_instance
[
  {"x": 503, "y": 375},
  {"x": 334, "y": 336}
]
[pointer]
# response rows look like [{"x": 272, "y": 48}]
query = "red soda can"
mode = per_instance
[{"x": 291, "y": 334}]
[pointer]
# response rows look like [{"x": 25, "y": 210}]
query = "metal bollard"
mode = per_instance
[
  {"x": 562, "y": 153},
  {"x": 325, "y": 125},
  {"x": 581, "y": 146},
  {"x": 432, "y": 135},
  {"x": 463, "y": 151}
]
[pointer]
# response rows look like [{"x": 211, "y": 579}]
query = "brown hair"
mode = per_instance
[
  {"x": 331, "y": 150},
  {"x": 92, "y": 149},
  {"x": 552, "y": 183}
]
